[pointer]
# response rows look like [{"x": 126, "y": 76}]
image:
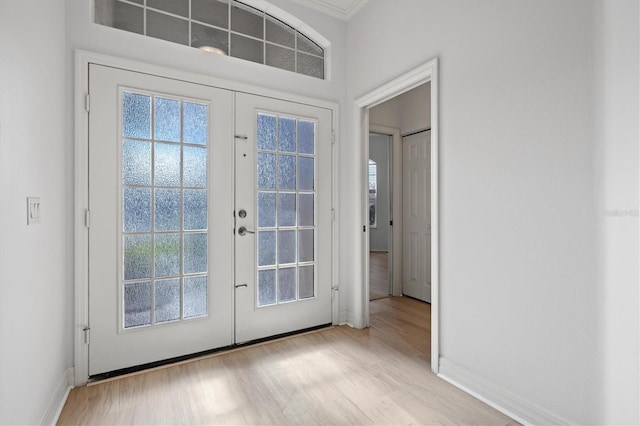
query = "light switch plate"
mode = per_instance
[{"x": 33, "y": 210}]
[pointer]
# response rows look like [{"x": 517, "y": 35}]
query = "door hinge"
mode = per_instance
[
  {"x": 390, "y": 223},
  {"x": 87, "y": 218},
  {"x": 87, "y": 334},
  {"x": 364, "y": 228},
  {"x": 87, "y": 102},
  {"x": 334, "y": 291}
]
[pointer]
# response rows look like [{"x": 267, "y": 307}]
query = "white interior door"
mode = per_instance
[
  {"x": 283, "y": 217},
  {"x": 161, "y": 203},
  {"x": 416, "y": 199}
]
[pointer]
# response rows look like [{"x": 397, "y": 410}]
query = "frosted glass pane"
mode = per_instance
[
  {"x": 305, "y": 282},
  {"x": 136, "y": 163},
  {"x": 195, "y": 209},
  {"x": 202, "y": 36},
  {"x": 266, "y": 132},
  {"x": 195, "y": 253},
  {"x": 266, "y": 248},
  {"x": 246, "y": 48},
  {"x": 137, "y": 304},
  {"x": 137, "y": 257},
  {"x": 310, "y": 65},
  {"x": 280, "y": 57},
  {"x": 177, "y": 7},
  {"x": 287, "y": 284},
  {"x": 136, "y": 116},
  {"x": 119, "y": 15},
  {"x": 305, "y": 210},
  {"x": 280, "y": 33},
  {"x": 167, "y": 164},
  {"x": 306, "y": 174},
  {"x": 266, "y": 209},
  {"x": 167, "y": 119},
  {"x": 214, "y": 12},
  {"x": 286, "y": 172},
  {"x": 306, "y": 136},
  {"x": 137, "y": 210},
  {"x": 305, "y": 248},
  {"x": 167, "y": 213},
  {"x": 266, "y": 171},
  {"x": 286, "y": 247},
  {"x": 167, "y": 300},
  {"x": 195, "y": 123},
  {"x": 247, "y": 20},
  {"x": 286, "y": 209},
  {"x": 287, "y": 133},
  {"x": 167, "y": 252},
  {"x": 167, "y": 27},
  {"x": 306, "y": 45},
  {"x": 266, "y": 287},
  {"x": 195, "y": 297},
  {"x": 195, "y": 167}
]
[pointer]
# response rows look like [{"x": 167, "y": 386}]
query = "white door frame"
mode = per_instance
[
  {"x": 81, "y": 179},
  {"x": 427, "y": 72},
  {"x": 395, "y": 185}
]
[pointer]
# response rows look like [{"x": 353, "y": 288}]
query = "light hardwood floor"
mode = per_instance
[
  {"x": 378, "y": 275},
  {"x": 380, "y": 375}
]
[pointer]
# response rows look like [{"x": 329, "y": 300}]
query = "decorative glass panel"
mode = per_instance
[
  {"x": 167, "y": 300},
  {"x": 266, "y": 209},
  {"x": 305, "y": 282},
  {"x": 266, "y": 132},
  {"x": 195, "y": 167},
  {"x": 195, "y": 253},
  {"x": 286, "y": 209},
  {"x": 195, "y": 123},
  {"x": 266, "y": 171},
  {"x": 195, "y": 209},
  {"x": 286, "y": 172},
  {"x": 286, "y": 247},
  {"x": 137, "y": 210},
  {"x": 305, "y": 210},
  {"x": 137, "y": 304},
  {"x": 287, "y": 284},
  {"x": 167, "y": 27},
  {"x": 137, "y": 257},
  {"x": 306, "y": 174},
  {"x": 136, "y": 115},
  {"x": 306, "y": 136},
  {"x": 167, "y": 210},
  {"x": 305, "y": 245},
  {"x": 136, "y": 163},
  {"x": 266, "y": 287},
  {"x": 167, "y": 254},
  {"x": 167, "y": 164},
  {"x": 266, "y": 248},
  {"x": 287, "y": 135},
  {"x": 218, "y": 26},
  {"x": 195, "y": 297},
  {"x": 167, "y": 120}
]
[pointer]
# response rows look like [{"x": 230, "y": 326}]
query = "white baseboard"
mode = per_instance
[
  {"x": 58, "y": 399},
  {"x": 501, "y": 399}
]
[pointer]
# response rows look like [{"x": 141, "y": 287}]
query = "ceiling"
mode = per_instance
[{"x": 341, "y": 9}]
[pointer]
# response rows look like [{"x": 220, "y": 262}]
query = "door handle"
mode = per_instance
[{"x": 242, "y": 231}]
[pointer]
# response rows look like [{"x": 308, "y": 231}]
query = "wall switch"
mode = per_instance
[{"x": 33, "y": 210}]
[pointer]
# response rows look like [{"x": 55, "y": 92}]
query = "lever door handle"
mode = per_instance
[{"x": 242, "y": 231}]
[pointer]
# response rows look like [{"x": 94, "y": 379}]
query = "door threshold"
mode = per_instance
[{"x": 183, "y": 359}]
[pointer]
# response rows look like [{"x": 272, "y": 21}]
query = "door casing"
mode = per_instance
[{"x": 82, "y": 104}]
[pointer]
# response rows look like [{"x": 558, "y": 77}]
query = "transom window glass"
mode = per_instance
[{"x": 226, "y": 27}]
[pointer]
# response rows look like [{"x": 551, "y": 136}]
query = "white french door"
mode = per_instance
[
  {"x": 416, "y": 216},
  {"x": 283, "y": 217},
  {"x": 169, "y": 273}
]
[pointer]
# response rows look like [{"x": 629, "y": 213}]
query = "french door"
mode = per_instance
[{"x": 171, "y": 165}]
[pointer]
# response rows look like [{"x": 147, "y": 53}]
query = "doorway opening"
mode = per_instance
[{"x": 408, "y": 106}]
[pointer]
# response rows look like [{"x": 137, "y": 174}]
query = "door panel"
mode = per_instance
[
  {"x": 283, "y": 222},
  {"x": 416, "y": 195},
  {"x": 161, "y": 202}
]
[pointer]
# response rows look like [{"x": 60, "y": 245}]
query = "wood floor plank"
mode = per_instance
[{"x": 337, "y": 376}]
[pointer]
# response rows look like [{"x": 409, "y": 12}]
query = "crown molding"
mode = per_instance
[{"x": 341, "y": 9}]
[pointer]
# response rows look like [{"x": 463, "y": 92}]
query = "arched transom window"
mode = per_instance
[{"x": 226, "y": 27}]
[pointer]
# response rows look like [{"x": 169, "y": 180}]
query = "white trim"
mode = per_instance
[
  {"x": 395, "y": 248},
  {"x": 332, "y": 10},
  {"x": 420, "y": 75},
  {"x": 58, "y": 399},
  {"x": 82, "y": 61},
  {"x": 496, "y": 396}
]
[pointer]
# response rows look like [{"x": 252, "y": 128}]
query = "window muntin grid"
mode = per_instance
[
  {"x": 227, "y": 27},
  {"x": 164, "y": 193}
]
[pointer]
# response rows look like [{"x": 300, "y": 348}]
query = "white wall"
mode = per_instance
[
  {"x": 379, "y": 151},
  {"x": 408, "y": 112},
  {"x": 35, "y": 292},
  {"x": 523, "y": 303}
]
